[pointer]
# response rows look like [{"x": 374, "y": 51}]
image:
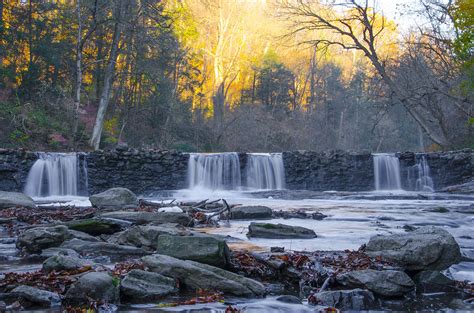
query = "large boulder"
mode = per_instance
[
  {"x": 433, "y": 281},
  {"x": 102, "y": 248},
  {"x": 95, "y": 227},
  {"x": 426, "y": 248},
  {"x": 194, "y": 276},
  {"x": 36, "y": 239},
  {"x": 146, "y": 236},
  {"x": 384, "y": 283},
  {"x": 151, "y": 217},
  {"x": 199, "y": 248},
  {"x": 98, "y": 286},
  {"x": 279, "y": 231},
  {"x": 15, "y": 199},
  {"x": 140, "y": 286},
  {"x": 64, "y": 263},
  {"x": 251, "y": 213},
  {"x": 114, "y": 198},
  {"x": 347, "y": 300},
  {"x": 466, "y": 188},
  {"x": 36, "y": 296}
]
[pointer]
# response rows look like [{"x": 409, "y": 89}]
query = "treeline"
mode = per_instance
[{"x": 213, "y": 75}]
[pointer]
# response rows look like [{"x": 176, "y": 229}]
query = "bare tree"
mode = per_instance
[
  {"x": 108, "y": 76},
  {"x": 360, "y": 27}
]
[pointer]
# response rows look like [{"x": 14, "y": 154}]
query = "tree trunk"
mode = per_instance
[
  {"x": 108, "y": 80},
  {"x": 77, "y": 102}
]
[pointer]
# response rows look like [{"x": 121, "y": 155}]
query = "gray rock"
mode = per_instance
[
  {"x": 15, "y": 199},
  {"x": 114, "y": 198},
  {"x": 276, "y": 231},
  {"x": 140, "y": 285},
  {"x": 426, "y": 248},
  {"x": 194, "y": 276},
  {"x": 95, "y": 226},
  {"x": 466, "y": 188},
  {"x": 384, "y": 283},
  {"x": 36, "y": 296},
  {"x": 98, "y": 286},
  {"x": 102, "y": 248},
  {"x": 47, "y": 253},
  {"x": 289, "y": 299},
  {"x": 250, "y": 212},
  {"x": 36, "y": 239},
  {"x": 151, "y": 217},
  {"x": 146, "y": 236},
  {"x": 433, "y": 281},
  {"x": 64, "y": 263},
  {"x": 356, "y": 299},
  {"x": 199, "y": 248}
]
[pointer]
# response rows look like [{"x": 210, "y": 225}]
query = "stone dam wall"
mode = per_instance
[{"x": 148, "y": 171}]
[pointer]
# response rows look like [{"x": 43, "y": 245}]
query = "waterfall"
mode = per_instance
[
  {"x": 214, "y": 171},
  {"x": 387, "y": 172},
  {"x": 419, "y": 175},
  {"x": 57, "y": 174},
  {"x": 265, "y": 171}
]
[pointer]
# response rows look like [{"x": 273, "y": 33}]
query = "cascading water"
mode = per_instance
[
  {"x": 57, "y": 174},
  {"x": 387, "y": 172},
  {"x": 419, "y": 175},
  {"x": 214, "y": 171},
  {"x": 265, "y": 171}
]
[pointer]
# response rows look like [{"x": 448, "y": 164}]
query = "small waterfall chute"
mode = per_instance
[
  {"x": 215, "y": 171},
  {"x": 57, "y": 174},
  {"x": 419, "y": 176},
  {"x": 387, "y": 172},
  {"x": 265, "y": 171}
]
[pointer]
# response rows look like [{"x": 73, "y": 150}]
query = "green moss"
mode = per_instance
[{"x": 115, "y": 281}]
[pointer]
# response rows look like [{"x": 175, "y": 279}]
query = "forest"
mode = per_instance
[{"x": 236, "y": 75}]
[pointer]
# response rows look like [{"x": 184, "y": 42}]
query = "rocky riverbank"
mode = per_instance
[{"x": 125, "y": 250}]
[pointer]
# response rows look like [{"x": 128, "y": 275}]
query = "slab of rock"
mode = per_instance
[
  {"x": 279, "y": 231},
  {"x": 199, "y": 248},
  {"x": 139, "y": 286},
  {"x": 256, "y": 212},
  {"x": 151, "y": 217},
  {"x": 64, "y": 263},
  {"x": 426, "y": 248},
  {"x": 194, "y": 276},
  {"x": 15, "y": 199},
  {"x": 466, "y": 188},
  {"x": 433, "y": 281},
  {"x": 95, "y": 227},
  {"x": 354, "y": 300},
  {"x": 147, "y": 236},
  {"x": 36, "y": 296},
  {"x": 47, "y": 253},
  {"x": 36, "y": 239},
  {"x": 114, "y": 198},
  {"x": 102, "y": 248},
  {"x": 384, "y": 283},
  {"x": 98, "y": 286}
]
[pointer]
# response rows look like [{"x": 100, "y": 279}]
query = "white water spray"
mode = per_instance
[
  {"x": 419, "y": 176},
  {"x": 265, "y": 171},
  {"x": 56, "y": 174},
  {"x": 387, "y": 172},
  {"x": 214, "y": 171}
]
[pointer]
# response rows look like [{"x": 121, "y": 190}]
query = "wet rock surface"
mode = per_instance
[
  {"x": 151, "y": 217},
  {"x": 139, "y": 286},
  {"x": 36, "y": 296},
  {"x": 114, "y": 198},
  {"x": 387, "y": 283},
  {"x": 195, "y": 276},
  {"x": 276, "y": 231},
  {"x": 251, "y": 213},
  {"x": 200, "y": 248},
  {"x": 426, "y": 248},
  {"x": 15, "y": 199},
  {"x": 102, "y": 248},
  {"x": 346, "y": 300},
  {"x": 96, "y": 286}
]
